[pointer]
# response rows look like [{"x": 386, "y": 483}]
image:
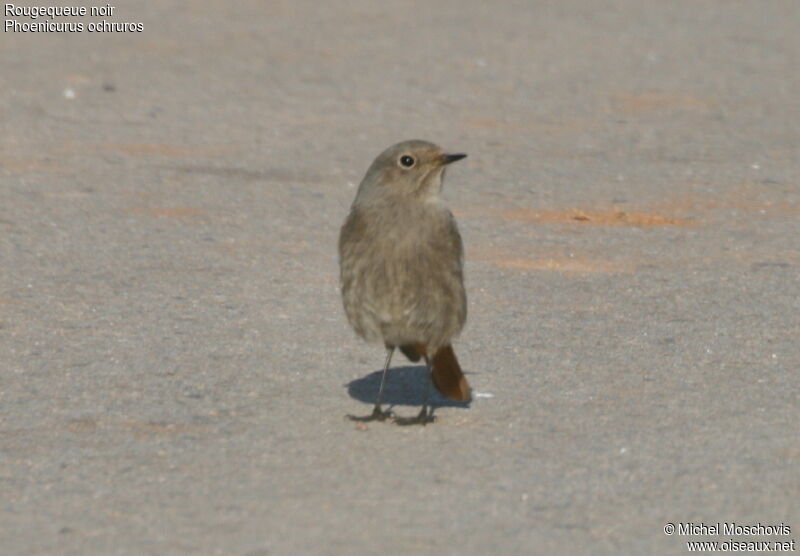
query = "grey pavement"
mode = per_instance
[{"x": 175, "y": 364}]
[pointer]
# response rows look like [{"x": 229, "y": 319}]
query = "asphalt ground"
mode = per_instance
[{"x": 175, "y": 364}]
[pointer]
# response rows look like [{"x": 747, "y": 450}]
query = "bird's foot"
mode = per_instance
[
  {"x": 376, "y": 415},
  {"x": 423, "y": 418}
]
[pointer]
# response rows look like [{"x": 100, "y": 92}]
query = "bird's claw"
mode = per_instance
[
  {"x": 423, "y": 419},
  {"x": 376, "y": 415}
]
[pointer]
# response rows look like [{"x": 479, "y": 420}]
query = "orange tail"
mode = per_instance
[{"x": 447, "y": 376}]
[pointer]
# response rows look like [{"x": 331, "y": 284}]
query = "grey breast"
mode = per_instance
[{"x": 401, "y": 274}]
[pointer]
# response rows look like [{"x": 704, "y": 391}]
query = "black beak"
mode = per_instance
[{"x": 449, "y": 158}]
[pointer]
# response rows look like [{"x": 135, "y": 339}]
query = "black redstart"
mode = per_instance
[{"x": 401, "y": 268}]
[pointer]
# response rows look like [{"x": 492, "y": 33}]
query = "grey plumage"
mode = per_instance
[
  {"x": 401, "y": 267},
  {"x": 401, "y": 254}
]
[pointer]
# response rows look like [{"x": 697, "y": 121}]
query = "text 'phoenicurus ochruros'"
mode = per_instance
[{"x": 401, "y": 267}]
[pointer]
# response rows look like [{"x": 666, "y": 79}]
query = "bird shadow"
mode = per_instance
[{"x": 404, "y": 386}]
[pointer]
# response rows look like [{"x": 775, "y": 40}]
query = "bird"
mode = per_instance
[{"x": 401, "y": 262}]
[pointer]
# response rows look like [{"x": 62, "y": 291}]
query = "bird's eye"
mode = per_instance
[{"x": 407, "y": 161}]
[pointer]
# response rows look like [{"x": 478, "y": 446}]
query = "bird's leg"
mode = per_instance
[
  {"x": 425, "y": 415},
  {"x": 377, "y": 413}
]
